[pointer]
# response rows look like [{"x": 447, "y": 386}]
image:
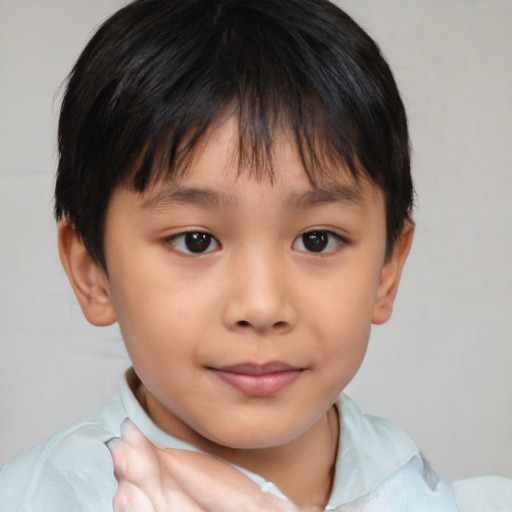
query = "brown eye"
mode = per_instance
[
  {"x": 194, "y": 242},
  {"x": 197, "y": 242},
  {"x": 318, "y": 242},
  {"x": 315, "y": 241}
]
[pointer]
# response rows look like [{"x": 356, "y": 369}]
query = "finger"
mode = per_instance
[
  {"x": 117, "y": 450},
  {"x": 130, "y": 462},
  {"x": 216, "y": 486},
  {"x": 130, "y": 498},
  {"x": 132, "y": 435}
]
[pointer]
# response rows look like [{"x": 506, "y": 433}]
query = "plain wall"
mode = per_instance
[{"x": 441, "y": 368}]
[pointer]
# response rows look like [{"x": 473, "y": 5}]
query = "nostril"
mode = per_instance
[{"x": 277, "y": 325}]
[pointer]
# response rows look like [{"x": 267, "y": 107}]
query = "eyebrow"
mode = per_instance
[
  {"x": 187, "y": 195},
  {"x": 336, "y": 193}
]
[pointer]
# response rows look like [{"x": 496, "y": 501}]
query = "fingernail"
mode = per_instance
[
  {"x": 127, "y": 427},
  {"x": 107, "y": 442},
  {"x": 112, "y": 443}
]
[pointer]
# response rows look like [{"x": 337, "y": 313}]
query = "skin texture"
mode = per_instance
[
  {"x": 152, "y": 479},
  {"x": 256, "y": 295}
]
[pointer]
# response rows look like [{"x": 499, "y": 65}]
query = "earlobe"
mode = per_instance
[
  {"x": 87, "y": 278},
  {"x": 390, "y": 277}
]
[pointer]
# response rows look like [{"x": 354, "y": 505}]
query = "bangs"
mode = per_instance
[
  {"x": 251, "y": 68},
  {"x": 258, "y": 129},
  {"x": 159, "y": 75}
]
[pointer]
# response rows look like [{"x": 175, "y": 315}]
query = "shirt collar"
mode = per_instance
[{"x": 370, "y": 449}]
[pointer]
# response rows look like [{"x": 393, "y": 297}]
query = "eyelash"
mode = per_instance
[
  {"x": 324, "y": 239},
  {"x": 196, "y": 237},
  {"x": 320, "y": 239}
]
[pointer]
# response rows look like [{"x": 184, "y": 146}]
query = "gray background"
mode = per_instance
[{"x": 441, "y": 368}]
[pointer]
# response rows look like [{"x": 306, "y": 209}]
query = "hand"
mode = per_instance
[{"x": 151, "y": 479}]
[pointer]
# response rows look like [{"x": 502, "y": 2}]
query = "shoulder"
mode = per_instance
[
  {"x": 484, "y": 494},
  {"x": 377, "y": 460},
  {"x": 371, "y": 442},
  {"x": 71, "y": 471}
]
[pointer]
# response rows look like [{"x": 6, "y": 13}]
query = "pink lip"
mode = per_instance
[{"x": 258, "y": 380}]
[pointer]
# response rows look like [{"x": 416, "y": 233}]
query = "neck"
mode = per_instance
[{"x": 302, "y": 469}]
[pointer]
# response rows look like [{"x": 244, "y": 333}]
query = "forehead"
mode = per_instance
[
  {"x": 220, "y": 164},
  {"x": 216, "y": 175},
  {"x": 260, "y": 148}
]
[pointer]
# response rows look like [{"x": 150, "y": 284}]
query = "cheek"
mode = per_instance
[
  {"x": 163, "y": 338},
  {"x": 342, "y": 306},
  {"x": 158, "y": 316},
  {"x": 340, "y": 319},
  {"x": 344, "y": 345}
]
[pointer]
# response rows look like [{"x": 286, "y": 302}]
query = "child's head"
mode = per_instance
[
  {"x": 160, "y": 74},
  {"x": 235, "y": 181}
]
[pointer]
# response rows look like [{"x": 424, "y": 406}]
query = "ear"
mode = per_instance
[
  {"x": 88, "y": 279},
  {"x": 390, "y": 276}
]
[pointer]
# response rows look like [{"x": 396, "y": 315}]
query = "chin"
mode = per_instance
[{"x": 252, "y": 438}]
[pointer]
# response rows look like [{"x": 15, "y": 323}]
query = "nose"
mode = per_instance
[{"x": 260, "y": 297}]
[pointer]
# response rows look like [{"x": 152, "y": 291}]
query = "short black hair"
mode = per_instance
[{"x": 158, "y": 74}]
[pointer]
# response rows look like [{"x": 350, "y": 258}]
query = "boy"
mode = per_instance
[{"x": 234, "y": 190}]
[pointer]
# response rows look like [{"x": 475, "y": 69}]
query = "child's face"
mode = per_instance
[{"x": 282, "y": 280}]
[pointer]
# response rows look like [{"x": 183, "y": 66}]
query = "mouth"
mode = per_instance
[{"x": 258, "y": 380}]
